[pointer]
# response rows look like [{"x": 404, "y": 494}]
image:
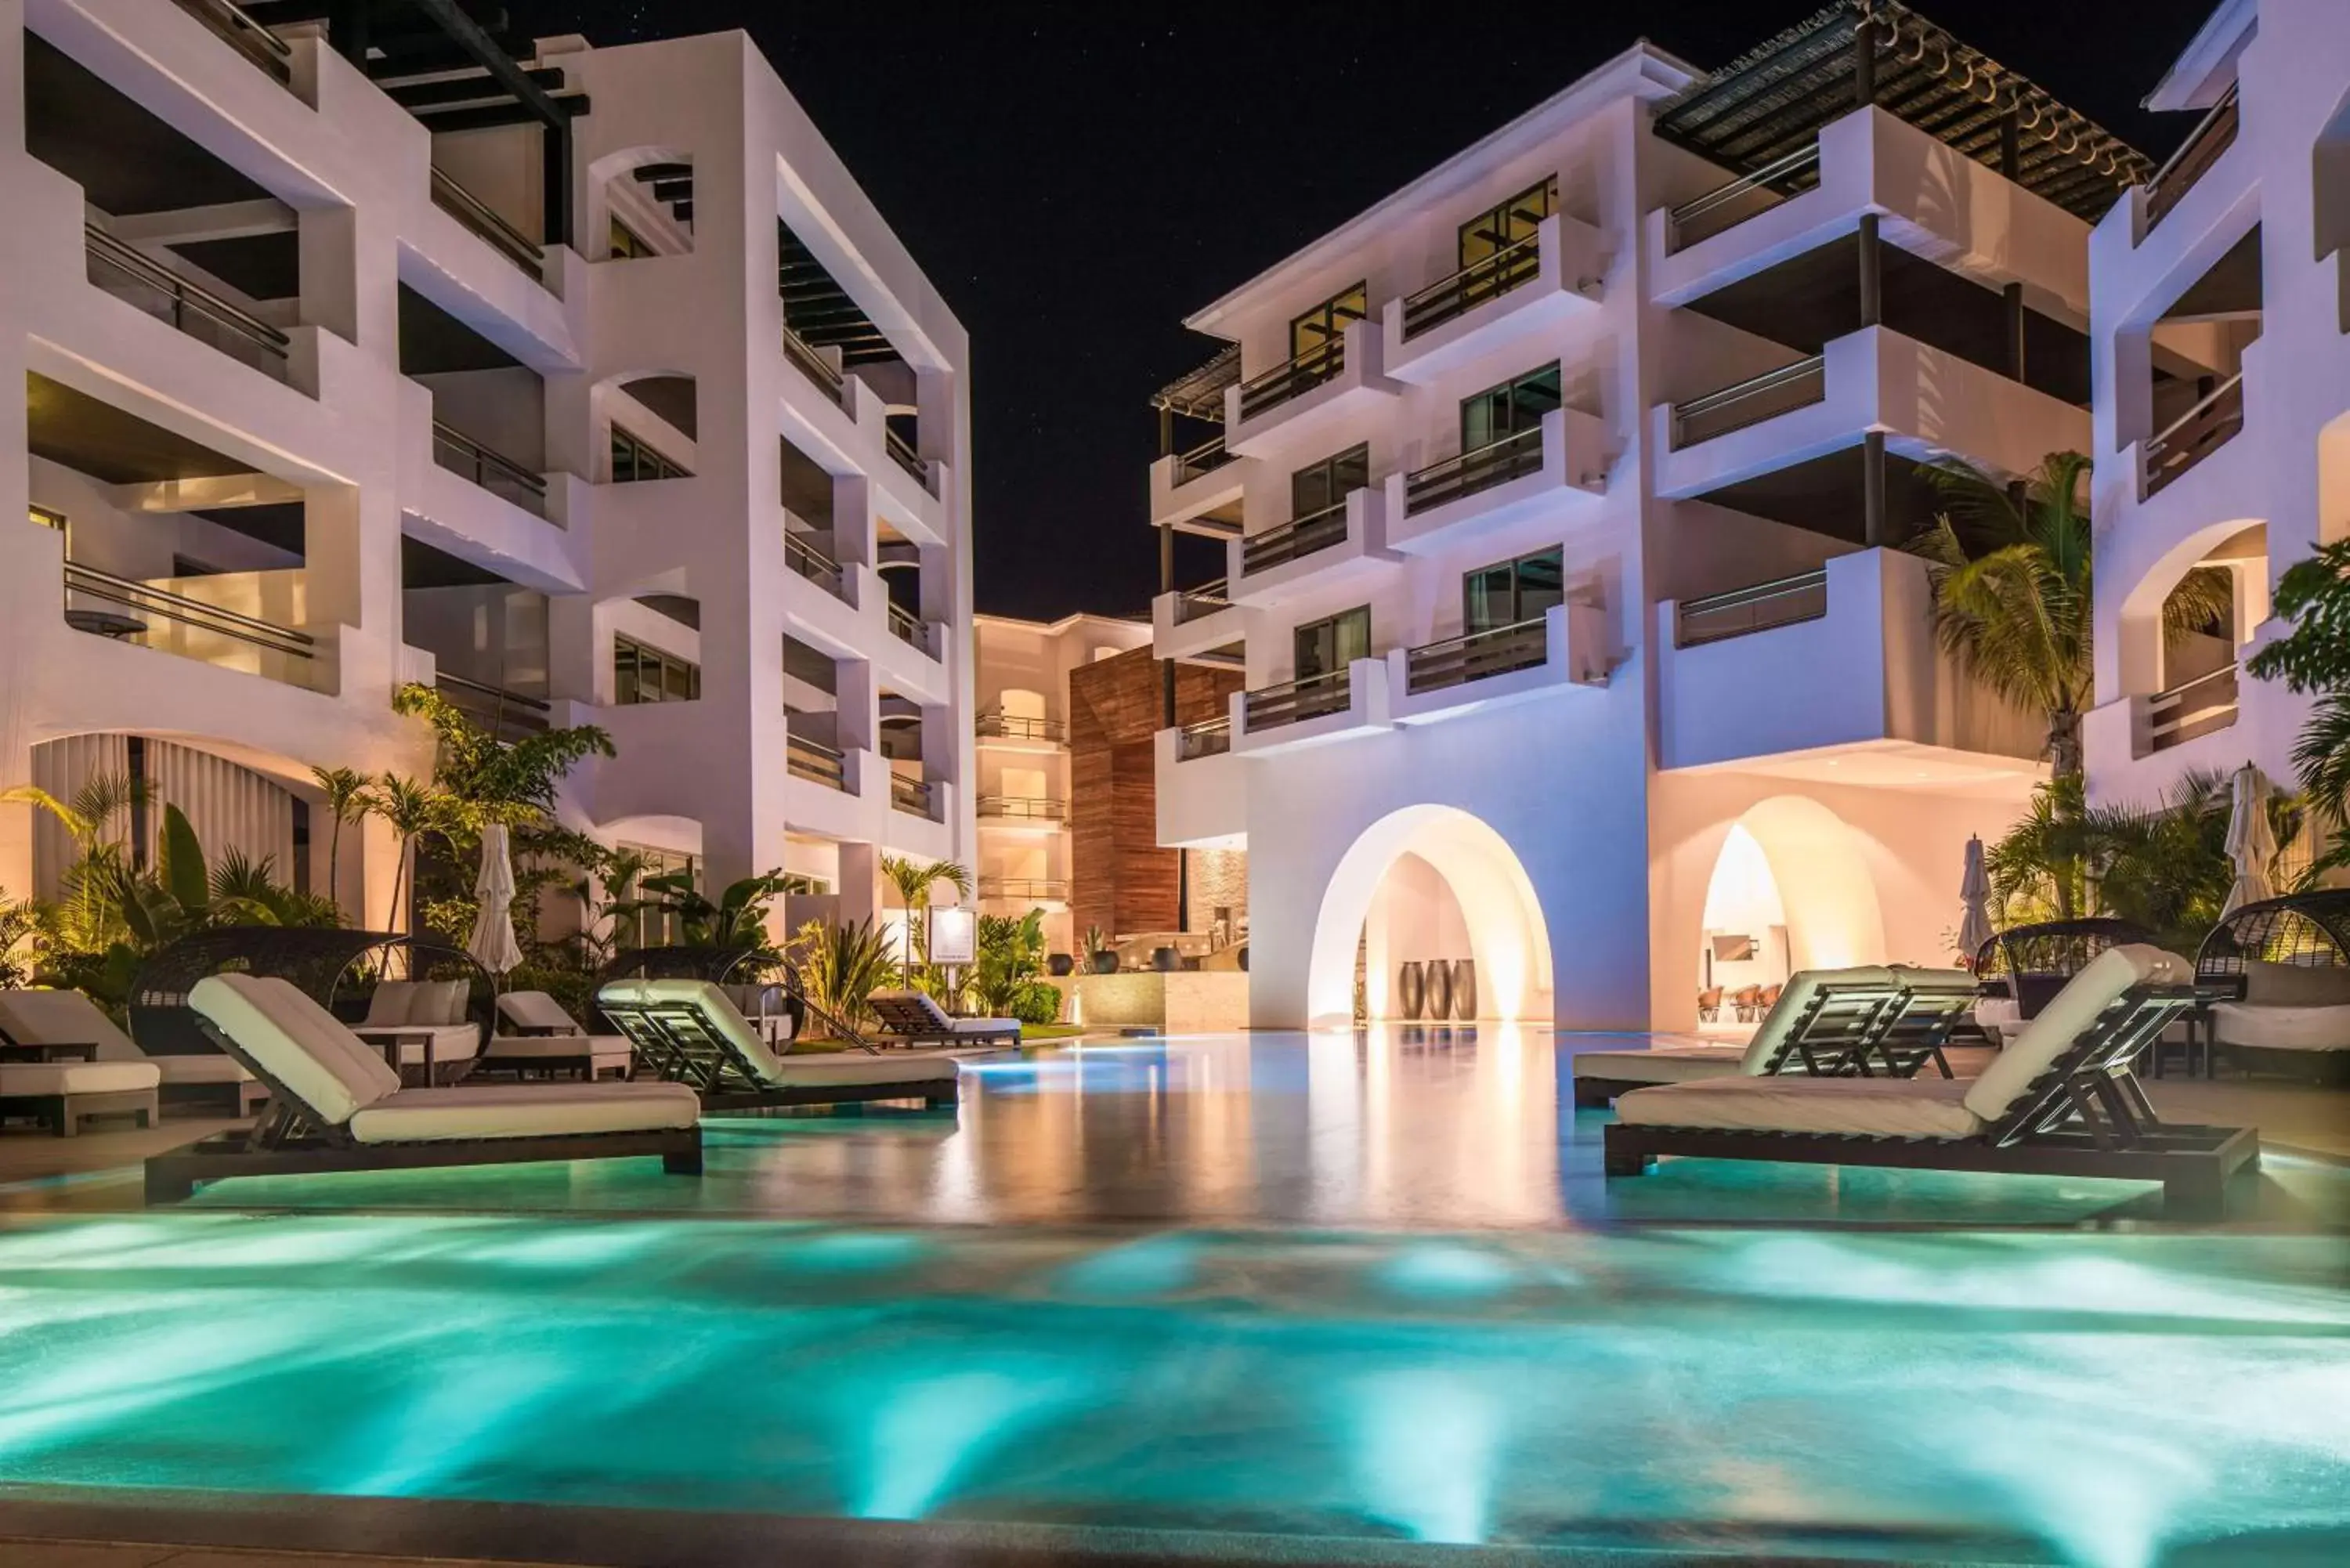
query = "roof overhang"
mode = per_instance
[{"x": 2208, "y": 65}]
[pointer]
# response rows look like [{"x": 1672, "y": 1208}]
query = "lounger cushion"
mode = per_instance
[
  {"x": 536, "y": 1010},
  {"x": 1663, "y": 1064},
  {"x": 451, "y": 1042},
  {"x": 523, "y": 1047},
  {"x": 1872, "y": 1107},
  {"x": 934, "y": 1019},
  {"x": 64, "y": 1018},
  {"x": 210, "y": 1067},
  {"x": 856, "y": 1067},
  {"x": 46, "y": 1078},
  {"x": 524, "y": 1110},
  {"x": 296, "y": 1041},
  {"x": 2281, "y": 1028},
  {"x": 2296, "y": 986},
  {"x": 718, "y": 1011},
  {"x": 1999, "y": 1015},
  {"x": 420, "y": 1001},
  {"x": 2030, "y": 1052}
]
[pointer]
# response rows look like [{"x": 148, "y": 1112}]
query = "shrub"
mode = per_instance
[{"x": 1037, "y": 1002}]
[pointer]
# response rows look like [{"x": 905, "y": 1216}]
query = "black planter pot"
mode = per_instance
[
  {"x": 1105, "y": 962},
  {"x": 1166, "y": 961},
  {"x": 1060, "y": 964}
]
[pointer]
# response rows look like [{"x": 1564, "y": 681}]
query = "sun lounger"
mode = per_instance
[
  {"x": 334, "y": 1105},
  {"x": 2061, "y": 1100},
  {"x": 911, "y": 1017},
  {"x": 59, "y": 1020},
  {"x": 424, "y": 1022},
  {"x": 689, "y": 1031},
  {"x": 1869, "y": 1022},
  {"x": 539, "y": 1039}
]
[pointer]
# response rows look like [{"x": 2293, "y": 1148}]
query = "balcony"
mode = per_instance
[
  {"x": 2193, "y": 436},
  {"x": 1751, "y": 402},
  {"x": 1710, "y": 619},
  {"x": 1019, "y": 730},
  {"x": 910, "y": 629},
  {"x": 816, "y": 566},
  {"x": 815, "y": 762},
  {"x": 508, "y": 715},
  {"x": 148, "y": 285},
  {"x": 493, "y": 230},
  {"x": 1198, "y": 603},
  {"x": 1309, "y": 397},
  {"x": 2187, "y": 711},
  {"x": 1202, "y": 786},
  {"x": 248, "y": 37},
  {"x": 1726, "y": 206},
  {"x": 121, "y": 609},
  {"x": 1544, "y": 279},
  {"x": 1023, "y": 811},
  {"x": 1202, "y": 487},
  {"x": 2210, "y": 138},
  {"x": 1297, "y": 537},
  {"x": 1496, "y": 462},
  {"x": 1291, "y": 378},
  {"x": 1448, "y": 503},
  {"x": 902, "y": 452},
  {"x": 1325, "y": 548},
  {"x": 1475, "y": 656},
  {"x": 1333, "y": 705},
  {"x": 1565, "y": 647},
  {"x": 829, "y": 377},
  {"x": 503, "y": 477},
  {"x": 1208, "y": 738},
  {"x": 1296, "y": 701},
  {"x": 1200, "y": 461},
  {"x": 913, "y": 797},
  {"x": 1028, "y": 890}
]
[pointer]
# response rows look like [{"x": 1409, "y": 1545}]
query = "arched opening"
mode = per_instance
[
  {"x": 2184, "y": 628},
  {"x": 1744, "y": 948},
  {"x": 640, "y": 204},
  {"x": 1425, "y": 885},
  {"x": 650, "y": 422},
  {"x": 1790, "y": 889}
]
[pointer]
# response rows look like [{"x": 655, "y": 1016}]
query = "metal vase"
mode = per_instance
[
  {"x": 1439, "y": 989},
  {"x": 1411, "y": 993},
  {"x": 1464, "y": 988}
]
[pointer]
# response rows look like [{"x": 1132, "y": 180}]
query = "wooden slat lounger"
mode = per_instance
[
  {"x": 1868, "y": 1021},
  {"x": 334, "y": 1105},
  {"x": 2061, "y": 1100},
  {"x": 912, "y": 1018},
  {"x": 689, "y": 1031}
]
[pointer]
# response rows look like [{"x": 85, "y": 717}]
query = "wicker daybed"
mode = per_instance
[{"x": 2276, "y": 976}]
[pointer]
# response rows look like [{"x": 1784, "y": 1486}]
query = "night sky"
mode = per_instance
[{"x": 1076, "y": 178}]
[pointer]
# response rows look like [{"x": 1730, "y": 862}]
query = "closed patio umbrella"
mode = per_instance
[
  {"x": 2251, "y": 845},
  {"x": 492, "y": 944},
  {"x": 1974, "y": 889}
]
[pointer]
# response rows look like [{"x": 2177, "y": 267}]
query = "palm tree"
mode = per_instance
[
  {"x": 2011, "y": 590},
  {"x": 87, "y": 818},
  {"x": 411, "y": 808},
  {"x": 346, "y": 793},
  {"x": 914, "y": 880}
]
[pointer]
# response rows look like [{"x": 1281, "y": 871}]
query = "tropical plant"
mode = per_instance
[
  {"x": 183, "y": 894},
  {"x": 2315, "y": 658},
  {"x": 411, "y": 808},
  {"x": 1096, "y": 940},
  {"x": 914, "y": 880},
  {"x": 20, "y": 921},
  {"x": 841, "y": 965},
  {"x": 2012, "y": 601},
  {"x": 346, "y": 793},
  {"x": 1010, "y": 956},
  {"x": 736, "y": 918},
  {"x": 93, "y": 884}
]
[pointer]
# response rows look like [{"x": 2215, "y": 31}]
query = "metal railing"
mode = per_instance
[
  {"x": 1036, "y": 887},
  {"x": 911, "y": 796},
  {"x": 1205, "y": 458},
  {"x": 1298, "y": 536},
  {"x": 501, "y": 236},
  {"x": 1472, "y": 656},
  {"x": 997, "y": 725},
  {"x": 1488, "y": 278},
  {"x": 142, "y": 600},
  {"x": 245, "y": 36},
  {"x": 1293, "y": 376},
  {"x": 1686, "y": 224},
  {"x": 1023, "y": 808},
  {"x": 132, "y": 277},
  {"x": 902, "y": 452},
  {"x": 1495, "y": 463},
  {"x": 816, "y": 566},
  {"x": 1751, "y": 402},
  {"x": 2194, "y": 434},
  {"x": 1208, "y": 738},
  {"x": 500, "y": 475},
  {"x": 1270, "y": 707},
  {"x": 815, "y": 367},
  {"x": 815, "y": 762},
  {"x": 1782, "y": 602},
  {"x": 910, "y": 629},
  {"x": 2191, "y": 708},
  {"x": 504, "y": 713},
  {"x": 2212, "y": 136},
  {"x": 1194, "y": 604}
]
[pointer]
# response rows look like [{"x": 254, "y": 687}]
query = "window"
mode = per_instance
[
  {"x": 642, "y": 674},
  {"x": 1512, "y": 591},
  {"x": 1316, "y": 333},
  {"x": 633, "y": 458},
  {"x": 1510, "y": 408},
  {"x": 1513, "y": 222},
  {"x": 1319, "y": 486},
  {"x": 654, "y": 929},
  {"x": 625, "y": 244},
  {"x": 1334, "y": 642}
]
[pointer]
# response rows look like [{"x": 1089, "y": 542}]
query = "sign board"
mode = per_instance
[{"x": 954, "y": 936}]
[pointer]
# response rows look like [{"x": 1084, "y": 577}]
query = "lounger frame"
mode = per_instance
[
  {"x": 675, "y": 1041},
  {"x": 905, "y": 1024},
  {"x": 2085, "y": 1115},
  {"x": 293, "y": 1139},
  {"x": 62, "y": 1114}
]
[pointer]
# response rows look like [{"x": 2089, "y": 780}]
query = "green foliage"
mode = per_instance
[
  {"x": 1097, "y": 941},
  {"x": 738, "y": 918},
  {"x": 913, "y": 879},
  {"x": 488, "y": 780},
  {"x": 841, "y": 965},
  {"x": 1035, "y": 1002},
  {"x": 99, "y": 880},
  {"x": 1010, "y": 957},
  {"x": 2314, "y": 657},
  {"x": 346, "y": 793},
  {"x": 19, "y": 923}
]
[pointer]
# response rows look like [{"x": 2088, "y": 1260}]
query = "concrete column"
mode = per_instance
[
  {"x": 326, "y": 246},
  {"x": 1872, "y": 491},
  {"x": 860, "y": 882},
  {"x": 1872, "y": 272},
  {"x": 2013, "y": 298},
  {"x": 857, "y": 693}
]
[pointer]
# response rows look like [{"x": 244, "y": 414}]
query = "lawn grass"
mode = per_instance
[{"x": 1030, "y": 1034}]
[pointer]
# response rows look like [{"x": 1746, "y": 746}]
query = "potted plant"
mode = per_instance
[
  {"x": 1061, "y": 965},
  {"x": 1105, "y": 956}
]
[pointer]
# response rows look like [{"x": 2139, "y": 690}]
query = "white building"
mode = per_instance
[
  {"x": 2221, "y": 304},
  {"x": 1558, "y": 490},
  {"x": 584, "y": 382}
]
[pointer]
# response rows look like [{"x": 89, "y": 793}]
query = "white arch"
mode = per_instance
[
  {"x": 1834, "y": 919},
  {"x": 1507, "y": 935},
  {"x": 2140, "y": 620}
]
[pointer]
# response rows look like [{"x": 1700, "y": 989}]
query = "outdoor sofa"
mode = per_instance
[
  {"x": 538, "y": 1038},
  {"x": 2061, "y": 1100},
  {"x": 425, "y": 1023},
  {"x": 2276, "y": 977},
  {"x": 1873, "y": 1021},
  {"x": 335, "y": 1105},
  {"x": 914, "y": 1018},
  {"x": 690, "y": 1032},
  {"x": 53, "y": 1021}
]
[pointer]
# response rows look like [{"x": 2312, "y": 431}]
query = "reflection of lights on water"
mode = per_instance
[
  {"x": 1424, "y": 1447},
  {"x": 921, "y": 1434},
  {"x": 1444, "y": 1269},
  {"x": 1155, "y": 1265}
]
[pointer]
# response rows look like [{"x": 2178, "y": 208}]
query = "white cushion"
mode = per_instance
[
  {"x": 1999, "y": 1015},
  {"x": 1779, "y": 1025},
  {"x": 296, "y": 1041},
  {"x": 207, "y": 1067},
  {"x": 1661, "y": 1065},
  {"x": 451, "y": 1042},
  {"x": 852, "y": 1067},
  {"x": 2296, "y": 984},
  {"x": 2068, "y": 1012},
  {"x": 536, "y": 1010},
  {"x": 421, "y": 1002},
  {"x": 42, "y": 1078},
  {"x": 524, "y": 1110},
  {"x": 985, "y": 1025},
  {"x": 600, "y": 1047},
  {"x": 1875, "y": 1107},
  {"x": 2281, "y": 1028},
  {"x": 63, "y": 1018},
  {"x": 718, "y": 1011}
]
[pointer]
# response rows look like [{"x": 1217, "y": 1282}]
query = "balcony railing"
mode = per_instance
[
  {"x": 1804, "y": 596},
  {"x": 1036, "y": 888},
  {"x": 2212, "y": 136},
  {"x": 1751, "y": 402},
  {"x": 1293, "y": 702},
  {"x": 911, "y": 796},
  {"x": 912, "y": 630},
  {"x": 134, "y": 603},
  {"x": 902, "y": 452},
  {"x": 1208, "y": 738},
  {"x": 1292, "y": 376},
  {"x": 815, "y": 566},
  {"x": 997, "y": 725},
  {"x": 815, "y": 367},
  {"x": 1299, "y": 536},
  {"x": 1205, "y": 458},
  {"x": 2191, "y": 708},
  {"x": 1725, "y": 206},
  {"x": 2194, "y": 434},
  {"x": 1023, "y": 808},
  {"x": 501, "y": 236},
  {"x": 1488, "y": 278},
  {"x": 1194, "y": 604},
  {"x": 1457, "y": 661},
  {"x": 815, "y": 762},
  {"x": 245, "y": 36},
  {"x": 501, "y": 476},
  {"x": 507, "y": 714},
  {"x": 132, "y": 278},
  {"x": 1496, "y": 462}
]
